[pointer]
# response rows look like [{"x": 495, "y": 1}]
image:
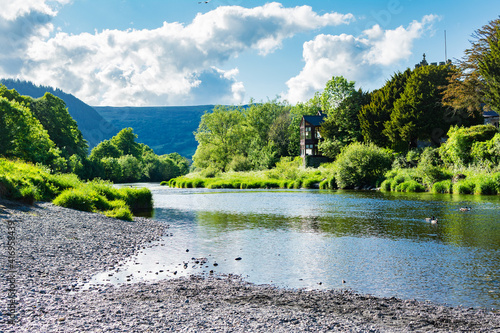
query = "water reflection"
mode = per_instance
[{"x": 378, "y": 243}]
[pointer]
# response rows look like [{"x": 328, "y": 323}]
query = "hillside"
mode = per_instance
[
  {"x": 93, "y": 127},
  {"x": 165, "y": 129}
]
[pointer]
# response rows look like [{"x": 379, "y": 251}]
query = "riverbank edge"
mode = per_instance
[{"x": 57, "y": 248}]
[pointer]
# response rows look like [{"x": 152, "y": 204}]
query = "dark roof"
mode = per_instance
[
  {"x": 315, "y": 120},
  {"x": 490, "y": 114}
]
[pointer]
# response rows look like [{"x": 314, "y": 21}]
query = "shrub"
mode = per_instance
[
  {"x": 444, "y": 186},
  {"x": 138, "y": 199},
  {"x": 210, "y": 172},
  {"x": 457, "y": 149},
  {"x": 411, "y": 186},
  {"x": 485, "y": 185},
  {"x": 359, "y": 164},
  {"x": 386, "y": 185},
  {"x": 121, "y": 213},
  {"x": 464, "y": 187},
  {"x": 78, "y": 199},
  {"x": 310, "y": 182},
  {"x": 239, "y": 163}
]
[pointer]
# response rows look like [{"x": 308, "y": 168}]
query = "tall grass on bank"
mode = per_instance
[
  {"x": 288, "y": 174},
  {"x": 29, "y": 183}
]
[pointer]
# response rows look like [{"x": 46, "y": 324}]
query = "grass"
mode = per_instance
[
  {"x": 288, "y": 178},
  {"x": 29, "y": 183}
]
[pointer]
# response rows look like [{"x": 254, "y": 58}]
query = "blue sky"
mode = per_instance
[{"x": 162, "y": 52}]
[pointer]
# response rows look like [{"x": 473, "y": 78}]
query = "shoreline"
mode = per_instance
[{"x": 57, "y": 248}]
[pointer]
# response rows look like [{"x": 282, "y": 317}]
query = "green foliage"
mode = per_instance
[
  {"x": 53, "y": 114},
  {"x": 234, "y": 138},
  {"x": 489, "y": 66},
  {"x": 457, "y": 150},
  {"x": 444, "y": 186},
  {"x": 418, "y": 114},
  {"x": 23, "y": 136},
  {"x": 360, "y": 165},
  {"x": 342, "y": 104},
  {"x": 29, "y": 183},
  {"x": 374, "y": 115},
  {"x": 239, "y": 163}
]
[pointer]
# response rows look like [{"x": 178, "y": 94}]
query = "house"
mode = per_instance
[
  {"x": 310, "y": 137},
  {"x": 491, "y": 117}
]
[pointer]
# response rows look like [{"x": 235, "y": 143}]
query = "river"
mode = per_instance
[{"x": 371, "y": 242}]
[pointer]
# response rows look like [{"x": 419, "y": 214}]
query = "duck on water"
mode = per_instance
[{"x": 432, "y": 220}]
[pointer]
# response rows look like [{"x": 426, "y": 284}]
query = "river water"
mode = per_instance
[{"x": 371, "y": 242}]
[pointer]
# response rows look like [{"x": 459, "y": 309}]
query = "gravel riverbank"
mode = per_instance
[{"x": 57, "y": 248}]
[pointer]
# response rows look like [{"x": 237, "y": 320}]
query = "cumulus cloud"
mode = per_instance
[
  {"x": 21, "y": 22},
  {"x": 359, "y": 59},
  {"x": 173, "y": 64}
]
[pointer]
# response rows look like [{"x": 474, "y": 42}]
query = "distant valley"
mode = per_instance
[{"x": 166, "y": 129}]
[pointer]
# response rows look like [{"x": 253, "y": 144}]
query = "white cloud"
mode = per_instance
[
  {"x": 173, "y": 64},
  {"x": 21, "y": 22},
  {"x": 361, "y": 59}
]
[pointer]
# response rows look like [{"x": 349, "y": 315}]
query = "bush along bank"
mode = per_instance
[
  {"x": 29, "y": 183},
  {"x": 361, "y": 166}
]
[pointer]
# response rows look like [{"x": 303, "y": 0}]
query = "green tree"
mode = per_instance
[
  {"x": 469, "y": 87},
  {"x": 419, "y": 114},
  {"x": 126, "y": 144},
  {"x": 104, "y": 149},
  {"x": 23, "y": 136},
  {"x": 374, "y": 115},
  {"x": 221, "y": 135},
  {"x": 342, "y": 104},
  {"x": 489, "y": 69},
  {"x": 53, "y": 114}
]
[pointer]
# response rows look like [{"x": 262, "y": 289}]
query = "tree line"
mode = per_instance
[
  {"x": 41, "y": 131},
  {"x": 417, "y": 107}
]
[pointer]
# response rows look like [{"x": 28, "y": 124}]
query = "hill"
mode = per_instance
[
  {"x": 166, "y": 129},
  {"x": 92, "y": 125}
]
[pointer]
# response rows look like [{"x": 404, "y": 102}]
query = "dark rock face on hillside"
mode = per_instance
[
  {"x": 93, "y": 127},
  {"x": 166, "y": 129}
]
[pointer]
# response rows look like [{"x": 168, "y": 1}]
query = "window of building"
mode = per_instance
[{"x": 308, "y": 132}]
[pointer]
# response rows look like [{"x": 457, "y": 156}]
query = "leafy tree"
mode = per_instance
[
  {"x": 419, "y": 114},
  {"x": 52, "y": 112},
  {"x": 377, "y": 113},
  {"x": 126, "y": 144},
  {"x": 131, "y": 168},
  {"x": 181, "y": 162},
  {"x": 221, "y": 135},
  {"x": 105, "y": 149},
  {"x": 22, "y": 136},
  {"x": 469, "y": 87},
  {"x": 278, "y": 134},
  {"x": 342, "y": 104},
  {"x": 489, "y": 69}
]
